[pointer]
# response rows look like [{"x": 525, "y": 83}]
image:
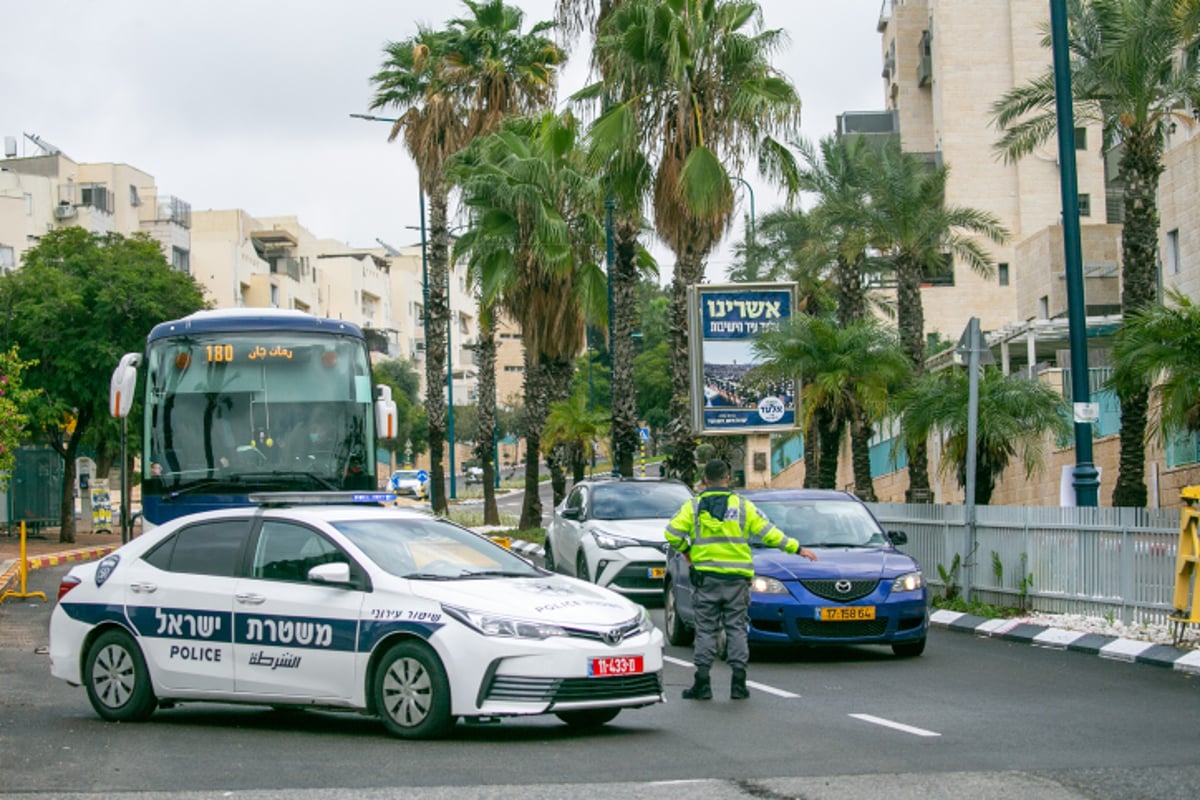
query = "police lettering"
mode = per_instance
[{"x": 191, "y": 652}]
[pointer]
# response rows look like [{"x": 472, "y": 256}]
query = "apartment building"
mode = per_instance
[
  {"x": 944, "y": 64},
  {"x": 49, "y": 190}
]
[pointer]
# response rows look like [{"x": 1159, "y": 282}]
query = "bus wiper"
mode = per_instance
[
  {"x": 206, "y": 484},
  {"x": 290, "y": 476}
]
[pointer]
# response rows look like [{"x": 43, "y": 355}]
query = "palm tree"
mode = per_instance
[
  {"x": 1015, "y": 415},
  {"x": 451, "y": 86},
  {"x": 1157, "y": 347},
  {"x": 575, "y": 426},
  {"x": 533, "y": 243},
  {"x": 1127, "y": 74},
  {"x": 847, "y": 373},
  {"x": 695, "y": 86},
  {"x": 912, "y": 226}
]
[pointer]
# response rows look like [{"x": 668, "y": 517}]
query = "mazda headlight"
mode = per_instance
[
  {"x": 496, "y": 625},
  {"x": 908, "y": 582},
  {"x": 610, "y": 541},
  {"x": 765, "y": 585}
]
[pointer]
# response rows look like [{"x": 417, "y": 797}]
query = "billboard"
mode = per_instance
[{"x": 724, "y": 322}]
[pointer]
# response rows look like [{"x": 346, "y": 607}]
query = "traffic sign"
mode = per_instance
[
  {"x": 422, "y": 475},
  {"x": 644, "y": 434}
]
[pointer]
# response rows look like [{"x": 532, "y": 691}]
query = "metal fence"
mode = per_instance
[{"x": 1103, "y": 562}]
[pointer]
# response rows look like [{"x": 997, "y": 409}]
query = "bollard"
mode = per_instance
[
  {"x": 23, "y": 571},
  {"x": 1186, "y": 604}
]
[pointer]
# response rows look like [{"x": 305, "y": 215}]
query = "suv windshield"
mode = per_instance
[
  {"x": 638, "y": 500},
  {"x": 824, "y": 523}
]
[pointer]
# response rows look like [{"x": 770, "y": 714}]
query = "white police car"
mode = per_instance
[{"x": 380, "y": 610}]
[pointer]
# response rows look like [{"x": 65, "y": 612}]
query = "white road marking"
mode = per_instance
[
  {"x": 762, "y": 687},
  {"x": 887, "y": 723}
]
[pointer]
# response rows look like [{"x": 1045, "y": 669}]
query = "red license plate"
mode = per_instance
[{"x": 615, "y": 665}]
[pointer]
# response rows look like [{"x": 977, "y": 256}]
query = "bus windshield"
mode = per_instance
[{"x": 238, "y": 410}]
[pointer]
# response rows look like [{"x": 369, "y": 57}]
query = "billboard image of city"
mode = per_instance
[{"x": 728, "y": 397}]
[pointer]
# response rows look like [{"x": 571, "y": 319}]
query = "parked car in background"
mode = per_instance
[
  {"x": 352, "y": 605},
  {"x": 861, "y": 589},
  {"x": 407, "y": 482},
  {"x": 610, "y": 531},
  {"x": 474, "y": 475}
]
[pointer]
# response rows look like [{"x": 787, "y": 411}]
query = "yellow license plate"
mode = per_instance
[
  {"x": 657, "y": 572},
  {"x": 847, "y": 613}
]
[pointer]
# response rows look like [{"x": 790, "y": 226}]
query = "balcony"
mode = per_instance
[
  {"x": 172, "y": 209},
  {"x": 885, "y": 16}
]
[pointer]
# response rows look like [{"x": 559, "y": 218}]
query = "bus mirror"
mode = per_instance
[
  {"x": 123, "y": 385},
  {"x": 385, "y": 413}
]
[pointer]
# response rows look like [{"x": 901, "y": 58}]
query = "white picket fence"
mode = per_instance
[{"x": 1117, "y": 562}]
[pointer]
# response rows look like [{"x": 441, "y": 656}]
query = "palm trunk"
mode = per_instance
[
  {"x": 437, "y": 311},
  {"x": 860, "y": 454},
  {"x": 624, "y": 320},
  {"x": 537, "y": 405},
  {"x": 689, "y": 270},
  {"x": 852, "y": 307},
  {"x": 910, "y": 318},
  {"x": 485, "y": 444},
  {"x": 831, "y": 443},
  {"x": 812, "y": 454},
  {"x": 1141, "y": 166}
]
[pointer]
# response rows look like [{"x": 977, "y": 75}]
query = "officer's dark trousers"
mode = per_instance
[{"x": 721, "y": 603}]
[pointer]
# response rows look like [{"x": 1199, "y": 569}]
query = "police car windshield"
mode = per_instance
[
  {"x": 636, "y": 500},
  {"x": 431, "y": 549},
  {"x": 825, "y": 523}
]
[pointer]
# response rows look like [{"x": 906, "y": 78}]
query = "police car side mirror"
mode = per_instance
[{"x": 337, "y": 573}]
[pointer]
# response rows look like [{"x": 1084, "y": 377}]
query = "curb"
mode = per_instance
[
  {"x": 1131, "y": 651},
  {"x": 12, "y": 570}
]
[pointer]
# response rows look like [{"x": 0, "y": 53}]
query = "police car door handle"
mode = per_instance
[
  {"x": 250, "y": 599},
  {"x": 140, "y": 588}
]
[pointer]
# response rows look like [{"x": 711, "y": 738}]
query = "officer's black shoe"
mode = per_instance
[
  {"x": 737, "y": 688},
  {"x": 701, "y": 688}
]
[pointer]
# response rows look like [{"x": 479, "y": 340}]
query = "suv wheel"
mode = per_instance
[{"x": 677, "y": 632}]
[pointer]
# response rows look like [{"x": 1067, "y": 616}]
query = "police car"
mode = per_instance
[{"x": 307, "y": 602}]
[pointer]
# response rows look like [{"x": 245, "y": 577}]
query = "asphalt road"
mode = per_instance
[{"x": 979, "y": 718}]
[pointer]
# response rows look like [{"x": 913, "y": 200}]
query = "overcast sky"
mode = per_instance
[{"x": 246, "y": 103}]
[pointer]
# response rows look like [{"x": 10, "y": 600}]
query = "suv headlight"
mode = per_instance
[
  {"x": 610, "y": 541},
  {"x": 765, "y": 585},
  {"x": 495, "y": 625},
  {"x": 908, "y": 582}
]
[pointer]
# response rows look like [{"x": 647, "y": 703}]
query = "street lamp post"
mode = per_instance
[
  {"x": 425, "y": 316},
  {"x": 751, "y": 241}
]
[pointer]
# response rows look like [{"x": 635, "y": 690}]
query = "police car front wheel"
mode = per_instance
[
  {"x": 412, "y": 692},
  {"x": 118, "y": 684}
]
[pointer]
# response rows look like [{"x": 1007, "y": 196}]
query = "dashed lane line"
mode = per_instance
[
  {"x": 899, "y": 726},
  {"x": 762, "y": 687}
]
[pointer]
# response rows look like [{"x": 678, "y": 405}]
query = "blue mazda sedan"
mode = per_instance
[{"x": 861, "y": 590}]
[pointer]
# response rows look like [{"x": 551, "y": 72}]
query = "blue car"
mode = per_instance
[{"x": 861, "y": 589}]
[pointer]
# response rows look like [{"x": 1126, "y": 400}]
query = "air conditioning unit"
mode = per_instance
[{"x": 64, "y": 212}]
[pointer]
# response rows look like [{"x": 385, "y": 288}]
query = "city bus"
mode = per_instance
[{"x": 250, "y": 400}]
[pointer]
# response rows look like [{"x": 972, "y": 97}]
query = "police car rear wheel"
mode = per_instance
[
  {"x": 588, "y": 718},
  {"x": 412, "y": 693},
  {"x": 118, "y": 684},
  {"x": 677, "y": 632}
]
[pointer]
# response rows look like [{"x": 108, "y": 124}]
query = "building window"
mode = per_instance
[
  {"x": 1173, "y": 252},
  {"x": 1002, "y": 272},
  {"x": 134, "y": 200},
  {"x": 511, "y": 368},
  {"x": 97, "y": 196},
  {"x": 1085, "y": 205},
  {"x": 28, "y": 205},
  {"x": 181, "y": 259},
  {"x": 1081, "y": 138},
  {"x": 8, "y": 259},
  {"x": 1043, "y": 307},
  {"x": 274, "y": 296}
]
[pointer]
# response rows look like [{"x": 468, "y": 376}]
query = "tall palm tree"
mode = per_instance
[
  {"x": 911, "y": 224},
  {"x": 449, "y": 87},
  {"x": 1157, "y": 346},
  {"x": 1127, "y": 74},
  {"x": 1015, "y": 416},
  {"x": 847, "y": 372},
  {"x": 533, "y": 242},
  {"x": 695, "y": 86}
]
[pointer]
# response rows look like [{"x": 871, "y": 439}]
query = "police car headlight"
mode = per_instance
[
  {"x": 765, "y": 585},
  {"x": 611, "y": 541},
  {"x": 908, "y": 582},
  {"x": 494, "y": 625},
  {"x": 645, "y": 624}
]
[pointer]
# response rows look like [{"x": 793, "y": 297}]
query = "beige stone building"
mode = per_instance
[{"x": 944, "y": 64}]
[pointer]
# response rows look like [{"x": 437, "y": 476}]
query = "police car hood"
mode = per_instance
[
  {"x": 651, "y": 531},
  {"x": 555, "y": 599},
  {"x": 834, "y": 562}
]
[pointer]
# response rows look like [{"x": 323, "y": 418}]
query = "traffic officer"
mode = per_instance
[{"x": 713, "y": 531}]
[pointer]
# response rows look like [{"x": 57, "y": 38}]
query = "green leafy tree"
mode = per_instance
[
  {"x": 14, "y": 399},
  {"x": 1015, "y": 417},
  {"x": 79, "y": 301},
  {"x": 1134, "y": 70},
  {"x": 912, "y": 225},
  {"x": 694, "y": 87},
  {"x": 1157, "y": 346}
]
